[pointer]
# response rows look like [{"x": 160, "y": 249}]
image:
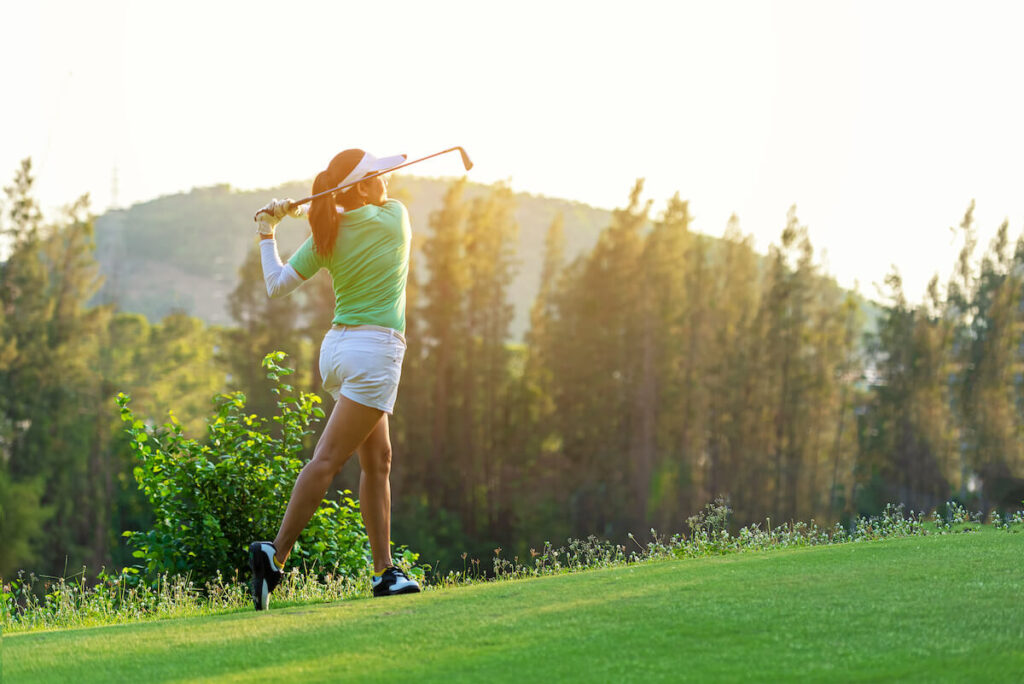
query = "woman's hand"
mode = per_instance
[{"x": 271, "y": 214}]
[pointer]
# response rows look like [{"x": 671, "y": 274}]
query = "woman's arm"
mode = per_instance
[{"x": 281, "y": 279}]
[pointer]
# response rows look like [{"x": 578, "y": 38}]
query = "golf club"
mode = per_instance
[{"x": 465, "y": 162}]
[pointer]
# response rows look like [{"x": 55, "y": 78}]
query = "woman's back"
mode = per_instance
[{"x": 369, "y": 265}]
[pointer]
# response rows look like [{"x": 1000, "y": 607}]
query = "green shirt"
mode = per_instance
[{"x": 369, "y": 265}]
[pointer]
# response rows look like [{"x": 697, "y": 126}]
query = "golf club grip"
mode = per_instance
[{"x": 305, "y": 200}]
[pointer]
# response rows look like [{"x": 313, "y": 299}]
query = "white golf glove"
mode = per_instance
[{"x": 271, "y": 214}]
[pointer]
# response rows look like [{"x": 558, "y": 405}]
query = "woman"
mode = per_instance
[{"x": 362, "y": 238}]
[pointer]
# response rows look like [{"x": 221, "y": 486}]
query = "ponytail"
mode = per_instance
[
  {"x": 323, "y": 216},
  {"x": 323, "y": 212}
]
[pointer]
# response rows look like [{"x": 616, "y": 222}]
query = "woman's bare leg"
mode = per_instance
[
  {"x": 346, "y": 429},
  {"x": 375, "y": 492}
]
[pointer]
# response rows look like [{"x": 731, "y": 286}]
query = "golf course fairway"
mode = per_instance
[{"x": 928, "y": 609}]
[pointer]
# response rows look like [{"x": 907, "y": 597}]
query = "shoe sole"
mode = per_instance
[{"x": 407, "y": 590}]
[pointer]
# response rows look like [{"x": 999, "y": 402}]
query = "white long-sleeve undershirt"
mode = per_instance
[{"x": 281, "y": 278}]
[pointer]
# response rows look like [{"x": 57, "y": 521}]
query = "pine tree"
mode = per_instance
[
  {"x": 594, "y": 350},
  {"x": 782, "y": 314},
  {"x": 910, "y": 442},
  {"x": 662, "y": 395},
  {"x": 960, "y": 313},
  {"x": 539, "y": 371},
  {"x": 77, "y": 334},
  {"x": 443, "y": 317},
  {"x": 22, "y": 512},
  {"x": 538, "y": 430},
  {"x": 491, "y": 233},
  {"x": 734, "y": 407},
  {"x": 802, "y": 351},
  {"x": 989, "y": 406},
  {"x": 51, "y": 386}
]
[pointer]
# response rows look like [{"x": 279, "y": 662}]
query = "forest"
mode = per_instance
[{"x": 657, "y": 369}]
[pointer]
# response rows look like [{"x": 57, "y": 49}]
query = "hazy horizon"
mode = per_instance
[{"x": 880, "y": 122}]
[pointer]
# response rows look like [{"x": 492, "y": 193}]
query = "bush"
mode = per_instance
[{"x": 211, "y": 498}]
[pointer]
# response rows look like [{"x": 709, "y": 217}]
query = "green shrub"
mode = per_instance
[{"x": 211, "y": 498}]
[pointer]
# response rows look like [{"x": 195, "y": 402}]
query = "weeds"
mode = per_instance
[
  {"x": 709, "y": 536},
  {"x": 32, "y": 603}
]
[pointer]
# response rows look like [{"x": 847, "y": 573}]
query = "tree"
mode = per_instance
[
  {"x": 264, "y": 325},
  {"x": 671, "y": 269},
  {"x": 463, "y": 317},
  {"x": 992, "y": 353},
  {"x": 592, "y": 347},
  {"x": 784, "y": 310},
  {"x": 910, "y": 445},
  {"x": 734, "y": 410},
  {"x": 445, "y": 338},
  {"x": 491, "y": 233},
  {"x": 803, "y": 320},
  {"x": 50, "y": 385},
  {"x": 22, "y": 518}
]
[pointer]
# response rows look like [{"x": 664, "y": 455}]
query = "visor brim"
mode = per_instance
[
  {"x": 386, "y": 163},
  {"x": 370, "y": 165}
]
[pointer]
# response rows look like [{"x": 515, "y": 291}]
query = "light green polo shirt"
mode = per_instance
[{"x": 369, "y": 265}]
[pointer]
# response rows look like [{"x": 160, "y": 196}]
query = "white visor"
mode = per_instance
[{"x": 369, "y": 165}]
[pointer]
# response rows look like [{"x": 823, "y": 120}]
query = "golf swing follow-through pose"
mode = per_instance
[{"x": 362, "y": 239}]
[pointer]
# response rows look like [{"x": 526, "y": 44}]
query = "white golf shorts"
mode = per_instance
[{"x": 363, "y": 363}]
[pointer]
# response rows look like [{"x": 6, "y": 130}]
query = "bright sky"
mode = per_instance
[{"x": 879, "y": 120}]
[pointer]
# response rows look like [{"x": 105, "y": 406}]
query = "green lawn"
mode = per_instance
[{"x": 926, "y": 609}]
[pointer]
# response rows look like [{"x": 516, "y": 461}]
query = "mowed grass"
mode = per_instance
[{"x": 928, "y": 609}]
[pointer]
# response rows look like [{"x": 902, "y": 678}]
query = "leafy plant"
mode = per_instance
[{"x": 211, "y": 498}]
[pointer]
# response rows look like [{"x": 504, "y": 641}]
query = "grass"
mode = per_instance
[
  {"x": 32, "y": 603},
  {"x": 922, "y": 608}
]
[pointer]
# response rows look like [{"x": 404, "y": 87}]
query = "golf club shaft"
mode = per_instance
[{"x": 465, "y": 162}]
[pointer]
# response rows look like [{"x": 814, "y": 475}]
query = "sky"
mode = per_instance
[{"x": 879, "y": 121}]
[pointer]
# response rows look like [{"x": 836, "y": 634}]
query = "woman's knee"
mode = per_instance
[
  {"x": 328, "y": 458},
  {"x": 377, "y": 461}
]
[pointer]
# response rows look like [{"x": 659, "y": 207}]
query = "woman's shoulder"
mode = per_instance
[{"x": 395, "y": 209}]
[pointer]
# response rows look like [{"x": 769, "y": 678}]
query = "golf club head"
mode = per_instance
[{"x": 465, "y": 159}]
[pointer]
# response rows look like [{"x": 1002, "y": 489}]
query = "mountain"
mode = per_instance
[{"x": 183, "y": 251}]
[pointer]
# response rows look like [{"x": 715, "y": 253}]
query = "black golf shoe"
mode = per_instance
[
  {"x": 394, "y": 581},
  {"x": 265, "y": 575}
]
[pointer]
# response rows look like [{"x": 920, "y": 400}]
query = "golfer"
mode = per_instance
[{"x": 362, "y": 238}]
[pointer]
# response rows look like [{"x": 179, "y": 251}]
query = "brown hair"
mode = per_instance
[{"x": 323, "y": 217}]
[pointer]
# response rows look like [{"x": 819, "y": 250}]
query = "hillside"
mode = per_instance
[
  {"x": 928, "y": 609},
  {"x": 183, "y": 251}
]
